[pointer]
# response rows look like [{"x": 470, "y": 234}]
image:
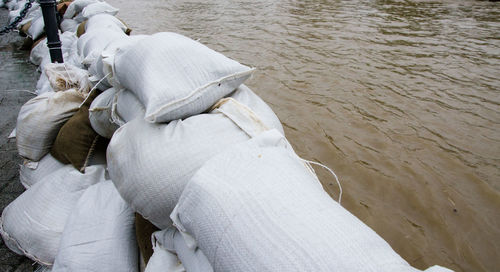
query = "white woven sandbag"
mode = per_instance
[
  {"x": 104, "y": 21},
  {"x": 192, "y": 259},
  {"x": 258, "y": 207},
  {"x": 112, "y": 109},
  {"x": 43, "y": 85},
  {"x": 33, "y": 223},
  {"x": 68, "y": 42},
  {"x": 176, "y": 77},
  {"x": 151, "y": 163},
  {"x": 32, "y": 172},
  {"x": 95, "y": 9},
  {"x": 163, "y": 260},
  {"x": 40, "y": 119},
  {"x": 101, "y": 65},
  {"x": 32, "y": 13},
  {"x": 39, "y": 53},
  {"x": 69, "y": 25},
  {"x": 76, "y": 7},
  {"x": 100, "y": 114},
  {"x": 70, "y": 50},
  {"x": 91, "y": 44},
  {"x": 99, "y": 234},
  {"x": 37, "y": 27},
  {"x": 126, "y": 107}
]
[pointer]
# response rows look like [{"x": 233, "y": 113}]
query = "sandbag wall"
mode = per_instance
[{"x": 139, "y": 133}]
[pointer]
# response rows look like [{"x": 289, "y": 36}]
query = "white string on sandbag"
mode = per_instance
[
  {"x": 93, "y": 89},
  {"x": 331, "y": 172}
]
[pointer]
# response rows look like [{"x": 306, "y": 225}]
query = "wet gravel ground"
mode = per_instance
[{"x": 17, "y": 78}]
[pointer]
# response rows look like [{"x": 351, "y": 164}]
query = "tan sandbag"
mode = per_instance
[
  {"x": 81, "y": 29},
  {"x": 40, "y": 119}
]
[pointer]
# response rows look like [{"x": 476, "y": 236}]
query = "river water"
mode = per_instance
[{"x": 400, "y": 98}]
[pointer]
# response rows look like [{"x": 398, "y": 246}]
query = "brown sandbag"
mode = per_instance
[
  {"x": 143, "y": 231},
  {"x": 25, "y": 27},
  {"x": 76, "y": 140},
  {"x": 62, "y": 7},
  {"x": 81, "y": 29}
]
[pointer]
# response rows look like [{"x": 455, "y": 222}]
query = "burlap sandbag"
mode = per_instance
[{"x": 76, "y": 140}]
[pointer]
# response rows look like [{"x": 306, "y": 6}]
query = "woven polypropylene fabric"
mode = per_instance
[
  {"x": 176, "y": 77},
  {"x": 257, "y": 207},
  {"x": 31, "y": 175},
  {"x": 41, "y": 118},
  {"x": 100, "y": 114},
  {"x": 34, "y": 222},
  {"x": 151, "y": 163},
  {"x": 99, "y": 234}
]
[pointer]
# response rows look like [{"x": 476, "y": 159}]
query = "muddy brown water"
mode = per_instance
[{"x": 400, "y": 98}]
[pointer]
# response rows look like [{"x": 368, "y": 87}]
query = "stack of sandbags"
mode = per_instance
[
  {"x": 151, "y": 163},
  {"x": 32, "y": 225},
  {"x": 258, "y": 207}
]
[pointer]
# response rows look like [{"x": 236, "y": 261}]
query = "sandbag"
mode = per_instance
[
  {"x": 176, "y": 77},
  {"x": 76, "y": 141},
  {"x": 102, "y": 65},
  {"x": 91, "y": 44},
  {"x": 69, "y": 25},
  {"x": 39, "y": 54},
  {"x": 43, "y": 85},
  {"x": 112, "y": 109},
  {"x": 63, "y": 76},
  {"x": 269, "y": 213},
  {"x": 41, "y": 118},
  {"x": 105, "y": 21},
  {"x": 33, "y": 223},
  {"x": 37, "y": 27},
  {"x": 151, "y": 163},
  {"x": 76, "y": 7},
  {"x": 126, "y": 107},
  {"x": 100, "y": 114},
  {"x": 193, "y": 259},
  {"x": 33, "y": 12},
  {"x": 163, "y": 260},
  {"x": 32, "y": 172},
  {"x": 99, "y": 233},
  {"x": 95, "y": 9}
]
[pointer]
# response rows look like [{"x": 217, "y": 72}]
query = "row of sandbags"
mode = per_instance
[
  {"x": 192, "y": 150},
  {"x": 71, "y": 217}
]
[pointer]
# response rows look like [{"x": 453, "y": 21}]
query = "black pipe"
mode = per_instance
[{"x": 49, "y": 18}]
